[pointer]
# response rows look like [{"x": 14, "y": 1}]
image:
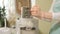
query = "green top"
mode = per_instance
[
  {"x": 55, "y": 29},
  {"x": 56, "y": 7}
]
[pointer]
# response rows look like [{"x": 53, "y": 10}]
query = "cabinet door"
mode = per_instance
[
  {"x": 28, "y": 32},
  {"x": 21, "y": 3}
]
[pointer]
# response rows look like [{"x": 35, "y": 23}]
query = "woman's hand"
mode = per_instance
[{"x": 35, "y": 11}]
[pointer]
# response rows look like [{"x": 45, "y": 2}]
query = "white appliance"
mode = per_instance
[{"x": 26, "y": 24}]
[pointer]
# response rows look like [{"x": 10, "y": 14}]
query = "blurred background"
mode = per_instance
[{"x": 44, "y": 26}]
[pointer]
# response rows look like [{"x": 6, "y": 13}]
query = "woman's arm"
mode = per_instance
[
  {"x": 46, "y": 15},
  {"x": 41, "y": 14}
]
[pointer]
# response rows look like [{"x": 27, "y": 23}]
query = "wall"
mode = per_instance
[
  {"x": 44, "y": 26},
  {"x": 44, "y": 4}
]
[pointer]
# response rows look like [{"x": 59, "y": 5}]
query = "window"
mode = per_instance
[
  {"x": 9, "y": 6},
  {"x": 33, "y": 2}
]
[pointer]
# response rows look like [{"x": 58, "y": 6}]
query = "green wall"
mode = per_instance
[
  {"x": 44, "y": 4},
  {"x": 44, "y": 26}
]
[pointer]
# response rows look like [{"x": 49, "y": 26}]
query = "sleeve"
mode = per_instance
[{"x": 56, "y": 16}]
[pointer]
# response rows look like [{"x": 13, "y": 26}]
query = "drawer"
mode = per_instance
[{"x": 27, "y": 31}]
